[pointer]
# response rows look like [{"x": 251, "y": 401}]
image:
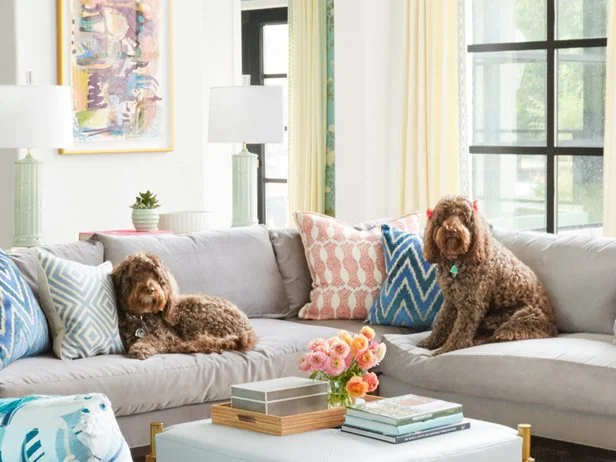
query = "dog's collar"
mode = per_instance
[{"x": 142, "y": 330}]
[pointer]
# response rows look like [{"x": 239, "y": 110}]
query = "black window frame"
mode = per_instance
[
  {"x": 551, "y": 151},
  {"x": 252, "y": 64}
]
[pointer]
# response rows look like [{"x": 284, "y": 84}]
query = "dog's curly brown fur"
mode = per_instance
[
  {"x": 493, "y": 297},
  {"x": 148, "y": 299}
]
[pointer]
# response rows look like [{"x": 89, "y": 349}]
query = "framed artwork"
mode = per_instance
[{"x": 116, "y": 55}]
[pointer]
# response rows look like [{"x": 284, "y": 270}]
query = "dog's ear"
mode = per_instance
[
  {"x": 431, "y": 251},
  {"x": 121, "y": 283},
  {"x": 165, "y": 279},
  {"x": 479, "y": 250}
]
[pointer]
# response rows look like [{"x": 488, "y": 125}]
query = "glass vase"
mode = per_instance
[{"x": 338, "y": 396}]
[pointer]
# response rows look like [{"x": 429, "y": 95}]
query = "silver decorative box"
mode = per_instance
[{"x": 281, "y": 397}]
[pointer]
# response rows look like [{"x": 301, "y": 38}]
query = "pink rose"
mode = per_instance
[
  {"x": 372, "y": 380},
  {"x": 317, "y": 344},
  {"x": 373, "y": 346},
  {"x": 335, "y": 366},
  {"x": 365, "y": 359},
  {"x": 304, "y": 364},
  {"x": 317, "y": 360},
  {"x": 339, "y": 349}
]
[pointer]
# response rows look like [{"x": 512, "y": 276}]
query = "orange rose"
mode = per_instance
[
  {"x": 344, "y": 335},
  {"x": 365, "y": 359},
  {"x": 356, "y": 387},
  {"x": 368, "y": 332},
  {"x": 360, "y": 343}
]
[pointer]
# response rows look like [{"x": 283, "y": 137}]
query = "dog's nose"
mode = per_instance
[{"x": 150, "y": 289}]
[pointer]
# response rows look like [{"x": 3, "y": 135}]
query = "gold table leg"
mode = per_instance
[
  {"x": 524, "y": 432},
  {"x": 155, "y": 429}
]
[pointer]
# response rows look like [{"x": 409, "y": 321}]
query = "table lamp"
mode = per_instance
[
  {"x": 245, "y": 114},
  {"x": 33, "y": 116}
]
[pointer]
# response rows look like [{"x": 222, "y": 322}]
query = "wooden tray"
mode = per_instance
[{"x": 224, "y": 414}]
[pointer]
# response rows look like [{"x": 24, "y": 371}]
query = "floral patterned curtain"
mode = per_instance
[{"x": 330, "y": 166}]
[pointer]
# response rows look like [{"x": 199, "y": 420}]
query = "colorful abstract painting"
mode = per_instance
[{"x": 115, "y": 55}]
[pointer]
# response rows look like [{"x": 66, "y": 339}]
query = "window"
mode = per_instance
[
  {"x": 537, "y": 73},
  {"x": 265, "y": 57}
]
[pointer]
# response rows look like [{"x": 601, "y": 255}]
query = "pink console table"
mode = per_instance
[{"x": 85, "y": 235}]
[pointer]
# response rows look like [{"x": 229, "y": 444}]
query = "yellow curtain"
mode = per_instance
[
  {"x": 430, "y": 144},
  {"x": 307, "y": 105},
  {"x": 609, "y": 150}
]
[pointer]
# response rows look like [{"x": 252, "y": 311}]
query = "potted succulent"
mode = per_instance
[{"x": 145, "y": 214}]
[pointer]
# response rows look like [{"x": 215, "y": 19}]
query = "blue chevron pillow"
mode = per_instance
[
  {"x": 23, "y": 329},
  {"x": 410, "y": 295},
  {"x": 79, "y": 302}
]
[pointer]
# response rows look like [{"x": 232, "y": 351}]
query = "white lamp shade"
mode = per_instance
[
  {"x": 34, "y": 116},
  {"x": 249, "y": 114}
]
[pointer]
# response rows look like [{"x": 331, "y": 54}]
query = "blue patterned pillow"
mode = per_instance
[
  {"x": 23, "y": 328},
  {"x": 60, "y": 428},
  {"x": 79, "y": 302},
  {"x": 410, "y": 295}
]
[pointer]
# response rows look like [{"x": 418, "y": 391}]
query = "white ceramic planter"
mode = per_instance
[
  {"x": 185, "y": 222},
  {"x": 145, "y": 219}
]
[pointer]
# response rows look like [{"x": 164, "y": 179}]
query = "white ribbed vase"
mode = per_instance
[
  {"x": 28, "y": 203},
  {"x": 245, "y": 166},
  {"x": 145, "y": 219}
]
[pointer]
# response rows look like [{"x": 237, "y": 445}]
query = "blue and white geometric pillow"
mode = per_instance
[
  {"x": 410, "y": 295},
  {"x": 79, "y": 302},
  {"x": 23, "y": 328},
  {"x": 60, "y": 428}
]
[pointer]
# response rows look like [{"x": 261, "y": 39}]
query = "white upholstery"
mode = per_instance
[{"x": 202, "y": 440}]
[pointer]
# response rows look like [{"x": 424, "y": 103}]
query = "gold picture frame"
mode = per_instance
[{"x": 134, "y": 115}]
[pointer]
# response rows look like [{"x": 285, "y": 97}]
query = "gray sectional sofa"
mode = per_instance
[{"x": 566, "y": 386}]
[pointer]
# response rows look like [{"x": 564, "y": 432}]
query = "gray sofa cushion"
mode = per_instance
[
  {"x": 165, "y": 381},
  {"x": 237, "y": 264},
  {"x": 578, "y": 273},
  {"x": 353, "y": 325},
  {"x": 574, "y": 372},
  {"x": 84, "y": 252}
]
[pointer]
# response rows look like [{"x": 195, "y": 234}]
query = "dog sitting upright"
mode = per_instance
[
  {"x": 490, "y": 295},
  {"x": 153, "y": 318}
]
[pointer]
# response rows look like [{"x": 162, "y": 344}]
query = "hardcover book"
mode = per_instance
[
  {"x": 404, "y": 409},
  {"x": 410, "y": 436},
  {"x": 393, "y": 430}
]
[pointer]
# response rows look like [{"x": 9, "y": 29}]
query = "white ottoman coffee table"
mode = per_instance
[{"x": 204, "y": 441}]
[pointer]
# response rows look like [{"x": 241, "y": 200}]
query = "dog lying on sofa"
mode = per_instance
[
  {"x": 490, "y": 295},
  {"x": 154, "y": 318}
]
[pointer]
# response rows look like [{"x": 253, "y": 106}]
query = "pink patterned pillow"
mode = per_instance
[{"x": 347, "y": 266}]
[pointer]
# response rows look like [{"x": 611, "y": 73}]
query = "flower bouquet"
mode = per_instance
[{"x": 344, "y": 361}]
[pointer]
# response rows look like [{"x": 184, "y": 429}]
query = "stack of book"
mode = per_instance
[{"x": 404, "y": 418}]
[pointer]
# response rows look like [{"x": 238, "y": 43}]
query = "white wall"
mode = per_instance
[
  {"x": 90, "y": 192},
  {"x": 368, "y": 79}
]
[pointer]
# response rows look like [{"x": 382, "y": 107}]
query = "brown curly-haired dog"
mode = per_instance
[
  {"x": 490, "y": 295},
  {"x": 153, "y": 318}
]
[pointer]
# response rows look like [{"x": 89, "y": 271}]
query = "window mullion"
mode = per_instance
[{"x": 551, "y": 192}]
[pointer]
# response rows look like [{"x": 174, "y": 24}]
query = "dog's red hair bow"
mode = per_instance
[
  {"x": 476, "y": 206},
  {"x": 429, "y": 213}
]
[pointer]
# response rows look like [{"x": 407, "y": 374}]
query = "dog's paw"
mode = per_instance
[
  {"x": 428, "y": 344},
  {"x": 141, "y": 351}
]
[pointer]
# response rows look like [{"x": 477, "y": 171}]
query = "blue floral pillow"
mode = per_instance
[
  {"x": 62, "y": 428},
  {"x": 410, "y": 295},
  {"x": 24, "y": 329}
]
